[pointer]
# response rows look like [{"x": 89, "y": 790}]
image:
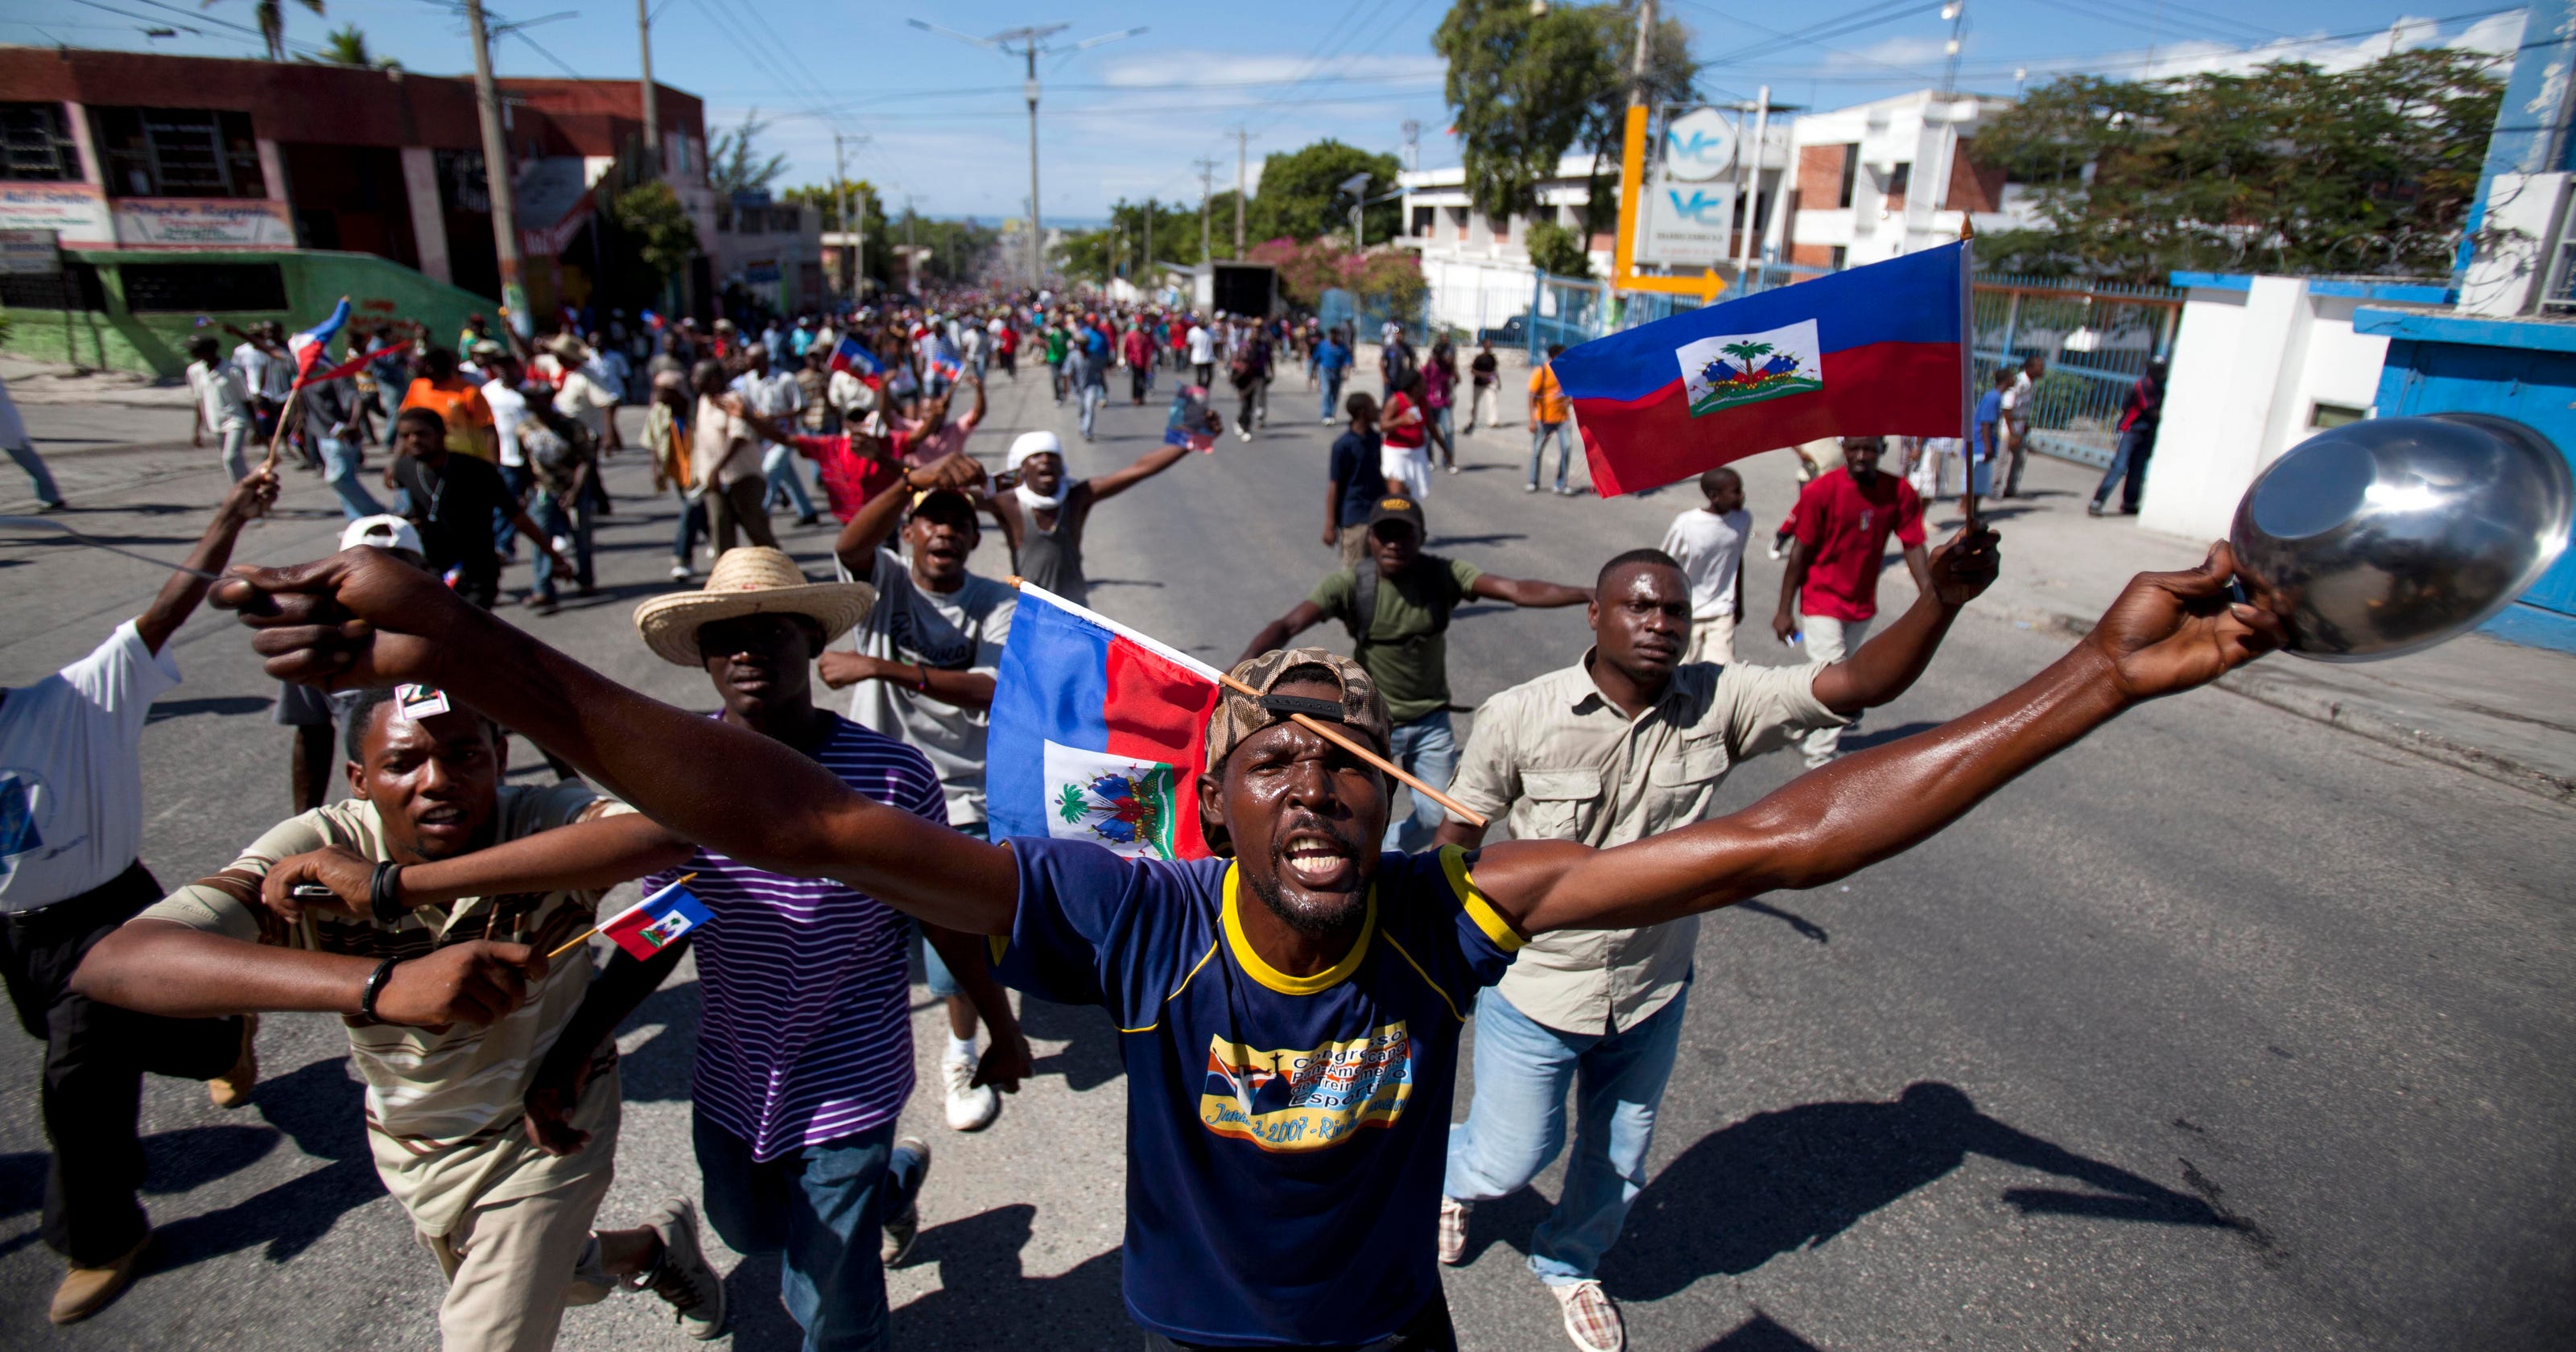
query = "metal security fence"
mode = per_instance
[{"x": 2095, "y": 341}]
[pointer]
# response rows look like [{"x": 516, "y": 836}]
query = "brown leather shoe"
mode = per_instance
[
  {"x": 232, "y": 1088},
  {"x": 86, "y": 1291}
]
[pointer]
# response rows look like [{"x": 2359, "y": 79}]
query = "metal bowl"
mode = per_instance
[{"x": 2392, "y": 534}]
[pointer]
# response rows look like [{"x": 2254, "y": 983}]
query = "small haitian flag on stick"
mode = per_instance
[
  {"x": 1098, "y": 733},
  {"x": 1875, "y": 351},
  {"x": 650, "y": 925}
]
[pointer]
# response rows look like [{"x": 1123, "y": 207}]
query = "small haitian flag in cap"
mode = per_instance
[
  {"x": 1875, "y": 351},
  {"x": 653, "y": 924}
]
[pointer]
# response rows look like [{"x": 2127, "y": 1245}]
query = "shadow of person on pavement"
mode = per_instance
[
  {"x": 1761, "y": 1333},
  {"x": 1795, "y": 1179},
  {"x": 1089, "y": 1058},
  {"x": 660, "y": 1068},
  {"x": 984, "y": 1292},
  {"x": 323, "y": 1111}
]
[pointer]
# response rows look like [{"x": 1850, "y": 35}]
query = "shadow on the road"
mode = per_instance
[
  {"x": 218, "y": 705},
  {"x": 1807, "y": 929},
  {"x": 1090, "y": 1056},
  {"x": 1761, "y": 1333},
  {"x": 1099, "y": 582},
  {"x": 324, "y": 1112},
  {"x": 1452, "y": 541},
  {"x": 658, "y": 1070},
  {"x": 1782, "y": 1181},
  {"x": 984, "y": 1291},
  {"x": 1856, "y": 741}
]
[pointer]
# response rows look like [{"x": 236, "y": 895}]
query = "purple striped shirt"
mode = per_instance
[{"x": 806, "y": 1029}]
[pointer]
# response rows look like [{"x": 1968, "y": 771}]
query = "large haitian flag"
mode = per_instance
[
  {"x": 1875, "y": 351},
  {"x": 1098, "y": 734}
]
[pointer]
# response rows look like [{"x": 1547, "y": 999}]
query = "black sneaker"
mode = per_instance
[{"x": 682, "y": 1278}]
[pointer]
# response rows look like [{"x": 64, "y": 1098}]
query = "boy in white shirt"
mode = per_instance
[
  {"x": 223, "y": 405},
  {"x": 1708, "y": 542}
]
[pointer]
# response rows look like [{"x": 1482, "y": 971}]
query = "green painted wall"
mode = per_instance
[{"x": 117, "y": 339}]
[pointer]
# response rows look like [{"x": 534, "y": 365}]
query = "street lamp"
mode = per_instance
[
  {"x": 1029, "y": 44},
  {"x": 1356, "y": 188}
]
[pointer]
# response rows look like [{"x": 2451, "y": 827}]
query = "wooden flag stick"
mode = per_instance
[
  {"x": 276, "y": 439},
  {"x": 1338, "y": 738},
  {"x": 578, "y": 940}
]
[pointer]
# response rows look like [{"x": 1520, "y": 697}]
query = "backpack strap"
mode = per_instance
[{"x": 1365, "y": 580}]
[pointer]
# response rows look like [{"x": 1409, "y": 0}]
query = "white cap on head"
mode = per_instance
[
  {"x": 1033, "y": 443},
  {"x": 384, "y": 532}
]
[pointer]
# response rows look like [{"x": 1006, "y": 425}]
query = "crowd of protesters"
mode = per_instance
[{"x": 425, "y": 907}]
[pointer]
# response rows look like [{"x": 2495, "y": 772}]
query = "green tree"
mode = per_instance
[
  {"x": 1558, "y": 249},
  {"x": 649, "y": 240},
  {"x": 1301, "y": 193},
  {"x": 1530, "y": 86},
  {"x": 347, "y": 46},
  {"x": 270, "y": 15},
  {"x": 2287, "y": 168},
  {"x": 825, "y": 198},
  {"x": 1745, "y": 353},
  {"x": 734, "y": 165}
]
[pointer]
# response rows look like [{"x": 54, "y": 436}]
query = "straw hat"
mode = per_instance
[{"x": 755, "y": 580}]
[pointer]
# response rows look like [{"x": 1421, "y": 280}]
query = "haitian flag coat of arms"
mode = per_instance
[
  {"x": 1098, "y": 733},
  {"x": 1874, "y": 351}
]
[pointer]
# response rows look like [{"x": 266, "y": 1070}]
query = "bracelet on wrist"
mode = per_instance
[
  {"x": 384, "y": 894},
  {"x": 375, "y": 987}
]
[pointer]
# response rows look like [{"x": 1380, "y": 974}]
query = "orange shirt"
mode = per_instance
[
  {"x": 1548, "y": 403},
  {"x": 458, "y": 403}
]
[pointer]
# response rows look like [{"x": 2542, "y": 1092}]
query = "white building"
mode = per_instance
[{"x": 1888, "y": 177}]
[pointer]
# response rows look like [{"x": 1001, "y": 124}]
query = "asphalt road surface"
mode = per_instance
[{"x": 2225, "y": 1029}]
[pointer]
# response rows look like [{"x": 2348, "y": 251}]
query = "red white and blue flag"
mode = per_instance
[
  {"x": 308, "y": 347},
  {"x": 656, "y": 922},
  {"x": 853, "y": 356},
  {"x": 1874, "y": 351},
  {"x": 1098, "y": 733}
]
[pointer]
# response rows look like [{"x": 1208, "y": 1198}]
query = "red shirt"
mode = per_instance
[
  {"x": 1401, "y": 424},
  {"x": 1845, "y": 528},
  {"x": 849, "y": 479}
]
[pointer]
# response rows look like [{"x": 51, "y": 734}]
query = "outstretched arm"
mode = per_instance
[
  {"x": 1277, "y": 633},
  {"x": 1522, "y": 592},
  {"x": 1890, "y": 663},
  {"x": 1148, "y": 465},
  {"x": 362, "y": 618},
  {"x": 2167, "y": 633},
  {"x": 588, "y": 856},
  {"x": 179, "y": 596}
]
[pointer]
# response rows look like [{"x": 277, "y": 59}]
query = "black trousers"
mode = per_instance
[
  {"x": 1429, "y": 1331},
  {"x": 95, "y": 1056}
]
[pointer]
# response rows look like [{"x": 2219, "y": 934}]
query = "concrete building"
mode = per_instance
[
  {"x": 223, "y": 165},
  {"x": 1895, "y": 175},
  {"x": 769, "y": 252}
]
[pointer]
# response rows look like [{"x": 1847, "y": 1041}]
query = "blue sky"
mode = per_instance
[{"x": 944, "y": 123}]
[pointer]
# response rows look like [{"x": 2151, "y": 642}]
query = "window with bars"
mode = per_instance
[
  {"x": 36, "y": 144},
  {"x": 177, "y": 152}
]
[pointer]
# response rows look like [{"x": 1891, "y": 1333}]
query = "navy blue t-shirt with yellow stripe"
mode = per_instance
[{"x": 1286, "y": 1136}]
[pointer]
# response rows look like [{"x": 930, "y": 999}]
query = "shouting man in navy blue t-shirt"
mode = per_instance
[{"x": 1288, "y": 1017}]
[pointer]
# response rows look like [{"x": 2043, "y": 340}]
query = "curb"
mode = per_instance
[{"x": 2353, "y": 716}]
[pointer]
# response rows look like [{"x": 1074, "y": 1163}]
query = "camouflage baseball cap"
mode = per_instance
[{"x": 1239, "y": 715}]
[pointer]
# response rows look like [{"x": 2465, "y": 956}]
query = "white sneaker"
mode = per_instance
[
  {"x": 1243, "y": 434},
  {"x": 971, "y": 1107},
  {"x": 1775, "y": 552},
  {"x": 680, "y": 570}
]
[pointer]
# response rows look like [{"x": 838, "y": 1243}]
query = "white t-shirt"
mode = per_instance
[
  {"x": 1710, "y": 548},
  {"x": 963, "y": 630},
  {"x": 1202, "y": 345},
  {"x": 586, "y": 400},
  {"x": 2017, "y": 396},
  {"x": 220, "y": 395},
  {"x": 509, "y": 409},
  {"x": 774, "y": 396},
  {"x": 264, "y": 373},
  {"x": 71, "y": 771}
]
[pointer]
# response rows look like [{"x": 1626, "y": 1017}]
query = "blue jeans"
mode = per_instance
[
  {"x": 934, "y": 969},
  {"x": 2128, "y": 468},
  {"x": 820, "y": 1208},
  {"x": 556, "y": 520},
  {"x": 340, "y": 470},
  {"x": 1538, "y": 451},
  {"x": 778, "y": 464},
  {"x": 505, "y": 536},
  {"x": 692, "y": 525},
  {"x": 1516, "y": 1124},
  {"x": 1429, "y": 749},
  {"x": 1332, "y": 376},
  {"x": 1093, "y": 396},
  {"x": 34, "y": 464}
]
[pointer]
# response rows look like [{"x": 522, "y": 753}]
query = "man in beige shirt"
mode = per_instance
[
  {"x": 492, "y": 1093},
  {"x": 1626, "y": 743}
]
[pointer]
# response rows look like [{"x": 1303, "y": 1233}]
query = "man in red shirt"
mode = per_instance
[
  {"x": 1839, "y": 533},
  {"x": 1136, "y": 348}
]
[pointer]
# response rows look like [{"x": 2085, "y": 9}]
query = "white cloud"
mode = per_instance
[{"x": 2498, "y": 34}]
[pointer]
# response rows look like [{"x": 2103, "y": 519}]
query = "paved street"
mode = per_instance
[{"x": 2227, "y": 1029}]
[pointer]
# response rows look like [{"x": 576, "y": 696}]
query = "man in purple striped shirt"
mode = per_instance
[{"x": 805, "y": 1040}]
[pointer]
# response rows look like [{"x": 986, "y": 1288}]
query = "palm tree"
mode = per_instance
[
  {"x": 272, "y": 22},
  {"x": 347, "y": 46},
  {"x": 1745, "y": 353}
]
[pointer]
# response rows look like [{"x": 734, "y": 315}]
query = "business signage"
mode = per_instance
[
  {"x": 73, "y": 211},
  {"x": 1699, "y": 146},
  {"x": 203, "y": 223},
  {"x": 29, "y": 253},
  {"x": 1686, "y": 224}
]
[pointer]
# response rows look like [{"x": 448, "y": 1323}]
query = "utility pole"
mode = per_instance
[
  {"x": 1957, "y": 13},
  {"x": 1207, "y": 193},
  {"x": 1645, "y": 53},
  {"x": 652, "y": 100},
  {"x": 1029, "y": 44},
  {"x": 1749, "y": 182},
  {"x": 856, "y": 225},
  {"x": 1242, "y": 139},
  {"x": 1149, "y": 234},
  {"x": 496, "y": 176}
]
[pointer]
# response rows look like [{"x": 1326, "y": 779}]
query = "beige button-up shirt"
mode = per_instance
[{"x": 1566, "y": 764}]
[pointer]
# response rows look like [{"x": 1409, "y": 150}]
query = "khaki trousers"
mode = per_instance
[
  {"x": 741, "y": 507},
  {"x": 1355, "y": 545},
  {"x": 511, "y": 1266},
  {"x": 1712, "y": 641},
  {"x": 1828, "y": 640}
]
